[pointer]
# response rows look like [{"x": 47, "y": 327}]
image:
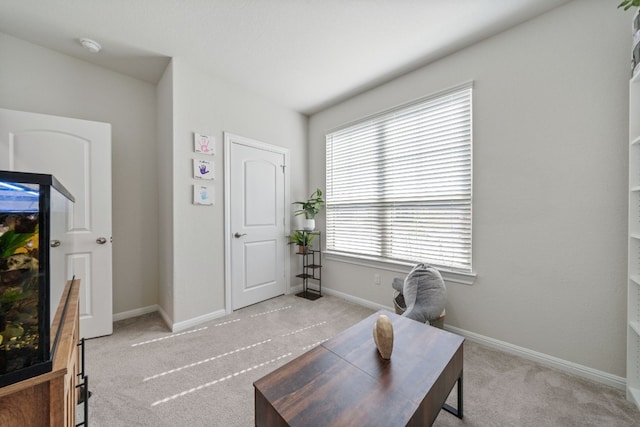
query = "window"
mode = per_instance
[{"x": 399, "y": 183}]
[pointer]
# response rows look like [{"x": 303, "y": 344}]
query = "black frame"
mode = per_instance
[{"x": 45, "y": 351}]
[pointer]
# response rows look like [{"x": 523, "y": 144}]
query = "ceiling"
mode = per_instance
[{"x": 302, "y": 54}]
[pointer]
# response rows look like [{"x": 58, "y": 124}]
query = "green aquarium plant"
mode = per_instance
[{"x": 10, "y": 241}]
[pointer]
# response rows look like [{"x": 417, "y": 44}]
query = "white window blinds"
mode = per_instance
[{"x": 399, "y": 183}]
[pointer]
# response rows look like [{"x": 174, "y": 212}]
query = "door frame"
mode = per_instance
[{"x": 229, "y": 139}]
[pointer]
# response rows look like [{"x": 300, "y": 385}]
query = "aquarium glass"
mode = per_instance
[{"x": 20, "y": 281}]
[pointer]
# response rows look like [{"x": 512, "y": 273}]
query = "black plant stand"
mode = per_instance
[{"x": 311, "y": 269}]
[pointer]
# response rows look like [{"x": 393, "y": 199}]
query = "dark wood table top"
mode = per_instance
[{"x": 345, "y": 382}]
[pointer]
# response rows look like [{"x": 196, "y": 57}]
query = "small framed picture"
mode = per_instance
[
  {"x": 203, "y": 169},
  {"x": 203, "y": 195},
  {"x": 204, "y": 144}
]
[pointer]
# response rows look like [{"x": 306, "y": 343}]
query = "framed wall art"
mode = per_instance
[
  {"x": 204, "y": 144},
  {"x": 203, "y": 195},
  {"x": 203, "y": 169}
]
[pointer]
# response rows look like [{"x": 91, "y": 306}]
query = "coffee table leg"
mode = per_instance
[{"x": 452, "y": 410}]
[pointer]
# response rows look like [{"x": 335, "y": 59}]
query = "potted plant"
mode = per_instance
[
  {"x": 310, "y": 209},
  {"x": 301, "y": 238}
]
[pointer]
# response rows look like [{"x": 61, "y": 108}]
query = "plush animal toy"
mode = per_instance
[{"x": 425, "y": 293}]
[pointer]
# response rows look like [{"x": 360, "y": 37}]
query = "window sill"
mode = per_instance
[{"x": 397, "y": 266}]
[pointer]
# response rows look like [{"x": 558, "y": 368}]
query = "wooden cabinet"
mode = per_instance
[{"x": 51, "y": 399}]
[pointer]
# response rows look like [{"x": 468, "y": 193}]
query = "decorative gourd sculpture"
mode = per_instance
[{"x": 383, "y": 336}]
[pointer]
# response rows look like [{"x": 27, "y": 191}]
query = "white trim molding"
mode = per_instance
[
  {"x": 294, "y": 289},
  {"x": 175, "y": 327},
  {"x": 544, "y": 359},
  {"x": 135, "y": 312},
  {"x": 186, "y": 324},
  {"x": 357, "y": 300}
]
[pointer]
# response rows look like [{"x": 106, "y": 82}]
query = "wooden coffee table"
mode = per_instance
[{"x": 345, "y": 382}]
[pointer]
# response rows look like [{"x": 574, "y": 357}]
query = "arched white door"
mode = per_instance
[
  {"x": 78, "y": 153},
  {"x": 255, "y": 196}
]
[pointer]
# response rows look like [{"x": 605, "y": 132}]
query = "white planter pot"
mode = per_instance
[{"x": 309, "y": 224}]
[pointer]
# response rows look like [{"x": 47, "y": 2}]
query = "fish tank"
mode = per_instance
[{"x": 33, "y": 212}]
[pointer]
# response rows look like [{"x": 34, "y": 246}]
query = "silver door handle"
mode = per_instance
[
  {"x": 54, "y": 243},
  {"x": 101, "y": 240},
  {"x": 238, "y": 235}
]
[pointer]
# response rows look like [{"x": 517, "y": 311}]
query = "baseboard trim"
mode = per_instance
[
  {"x": 186, "y": 324},
  {"x": 294, "y": 289},
  {"x": 135, "y": 312},
  {"x": 544, "y": 359},
  {"x": 360, "y": 301}
]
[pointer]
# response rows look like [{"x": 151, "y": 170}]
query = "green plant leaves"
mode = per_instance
[
  {"x": 627, "y": 4},
  {"x": 312, "y": 206},
  {"x": 10, "y": 241},
  {"x": 301, "y": 238},
  {"x": 13, "y": 294}
]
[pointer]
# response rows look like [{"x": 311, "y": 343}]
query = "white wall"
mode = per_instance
[
  {"x": 205, "y": 104},
  {"x": 550, "y": 201},
  {"x": 40, "y": 80}
]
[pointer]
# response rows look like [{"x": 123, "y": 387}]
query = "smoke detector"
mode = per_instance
[{"x": 91, "y": 45}]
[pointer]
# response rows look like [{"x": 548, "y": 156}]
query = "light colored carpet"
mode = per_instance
[{"x": 144, "y": 375}]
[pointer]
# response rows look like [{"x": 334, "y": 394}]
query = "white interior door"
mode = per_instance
[
  {"x": 78, "y": 153},
  {"x": 256, "y": 220}
]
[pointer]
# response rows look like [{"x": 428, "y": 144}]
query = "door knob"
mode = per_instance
[
  {"x": 54, "y": 243},
  {"x": 101, "y": 240},
  {"x": 238, "y": 235}
]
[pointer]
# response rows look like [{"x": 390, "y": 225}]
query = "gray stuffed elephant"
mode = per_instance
[{"x": 425, "y": 293}]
